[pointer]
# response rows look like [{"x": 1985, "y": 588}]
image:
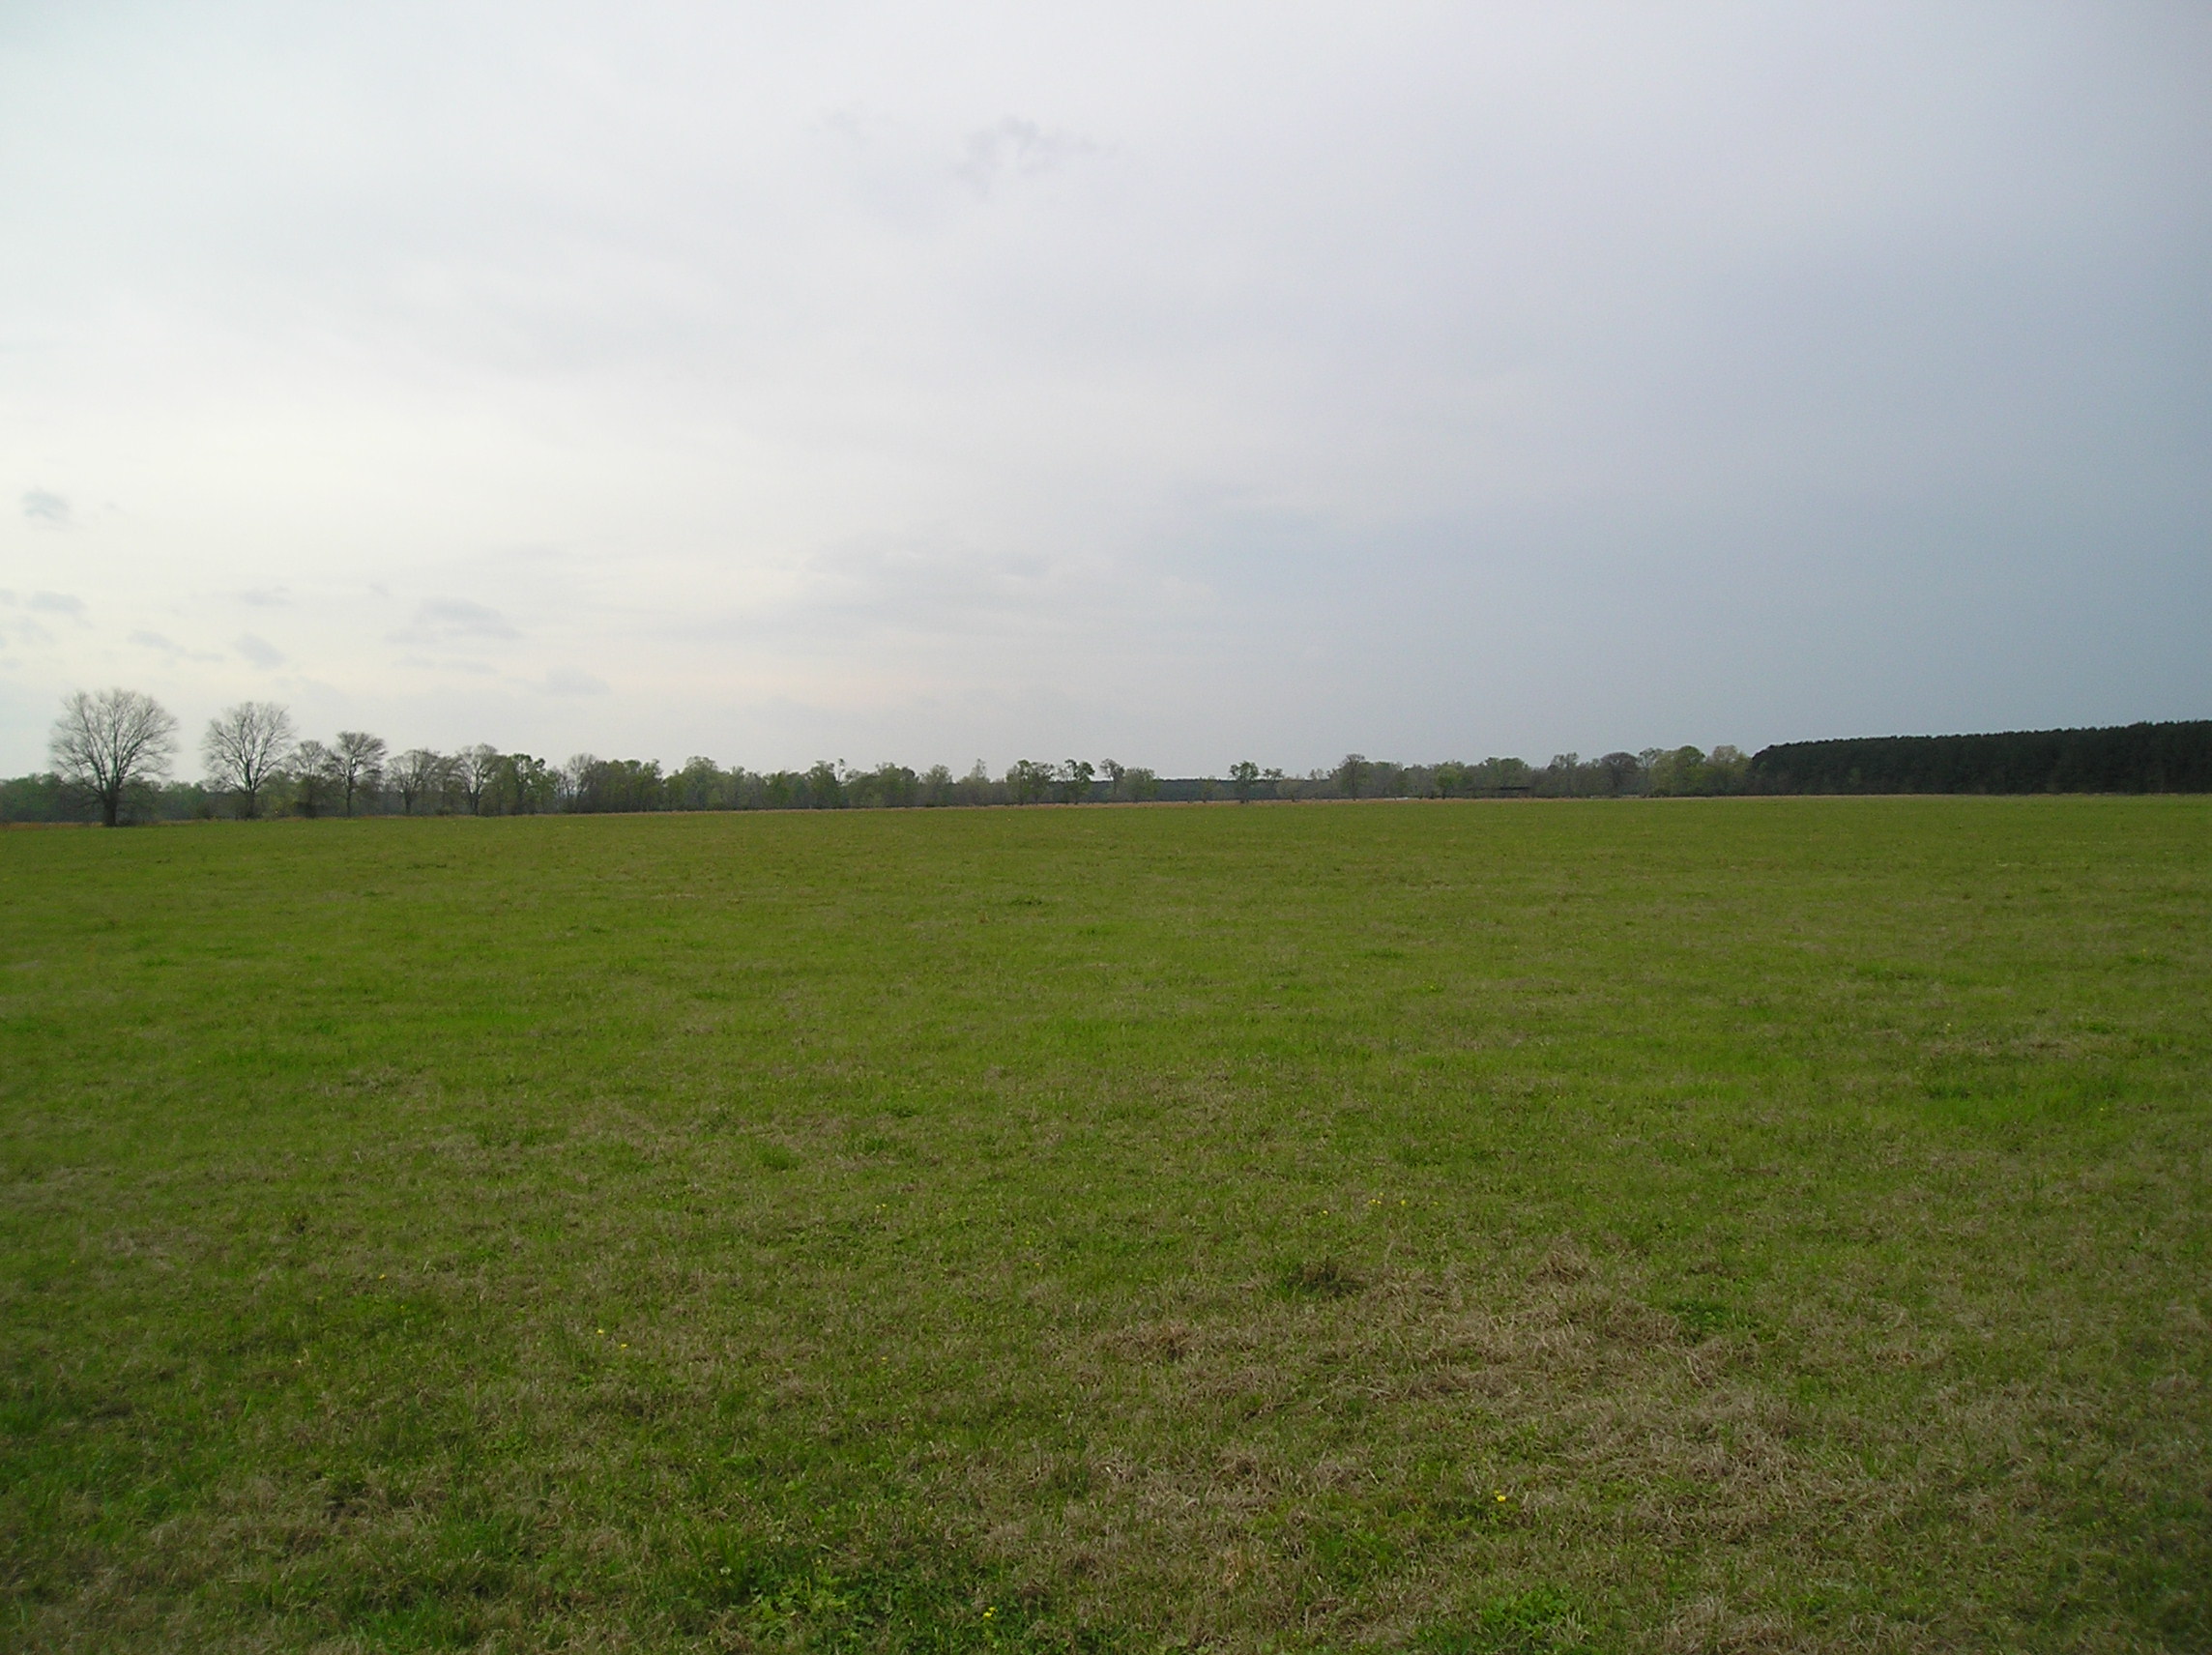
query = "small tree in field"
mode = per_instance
[
  {"x": 1244, "y": 778},
  {"x": 245, "y": 748},
  {"x": 107, "y": 743}
]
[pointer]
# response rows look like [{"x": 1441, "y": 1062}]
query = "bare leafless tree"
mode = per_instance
[
  {"x": 420, "y": 773},
  {"x": 358, "y": 758},
  {"x": 474, "y": 768},
  {"x": 245, "y": 747},
  {"x": 105, "y": 743}
]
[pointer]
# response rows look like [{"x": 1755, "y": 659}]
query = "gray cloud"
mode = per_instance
[
  {"x": 46, "y": 510},
  {"x": 24, "y": 629},
  {"x": 59, "y": 603},
  {"x": 453, "y": 619},
  {"x": 164, "y": 645},
  {"x": 574, "y": 680},
  {"x": 1013, "y": 147},
  {"x": 258, "y": 650}
]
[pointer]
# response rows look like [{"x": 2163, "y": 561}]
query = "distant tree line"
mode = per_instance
[
  {"x": 2130, "y": 758},
  {"x": 1654, "y": 771},
  {"x": 114, "y": 753},
  {"x": 114, "y": 750}
]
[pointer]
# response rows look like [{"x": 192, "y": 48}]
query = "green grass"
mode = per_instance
[{"x": 1731, "y": 1224}]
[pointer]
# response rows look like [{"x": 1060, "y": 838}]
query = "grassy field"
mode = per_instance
[{"x": 1708, "y": 1225}]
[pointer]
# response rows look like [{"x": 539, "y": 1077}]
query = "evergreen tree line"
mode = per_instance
[{"x": 2133, "y": 757}]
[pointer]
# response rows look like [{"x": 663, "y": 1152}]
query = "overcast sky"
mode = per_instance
[{"x": 1176, "y": 383}]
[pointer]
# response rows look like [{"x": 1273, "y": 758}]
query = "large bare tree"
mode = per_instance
[
  {"x": 420, "y": 773},
  {"x": 358, "y": 758},
  {"x": 246, "y": 746},
  {"x": 104, "y": 742},
  {"x": 474, "y": 768}
]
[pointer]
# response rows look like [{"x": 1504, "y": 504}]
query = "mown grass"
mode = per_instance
[{"x": 1759, "y": 1224}]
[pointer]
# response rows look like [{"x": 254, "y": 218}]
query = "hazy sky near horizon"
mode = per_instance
[{"x": 1181, "y": 384}]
